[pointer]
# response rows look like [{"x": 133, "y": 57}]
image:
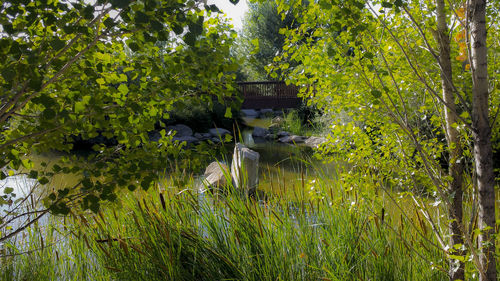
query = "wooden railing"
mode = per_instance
[{"x": 269, "y": 94}]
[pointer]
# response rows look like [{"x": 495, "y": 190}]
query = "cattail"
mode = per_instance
[{"x": 162, "y": 200}]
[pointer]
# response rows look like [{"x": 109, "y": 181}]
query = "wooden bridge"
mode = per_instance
[{"x": 269, "y": 94}]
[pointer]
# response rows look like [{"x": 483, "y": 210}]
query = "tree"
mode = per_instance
[
  {"x": 260, "y": 40},
  {"x": 110, "y": 68},
  {"x": 396, "y": 85}
]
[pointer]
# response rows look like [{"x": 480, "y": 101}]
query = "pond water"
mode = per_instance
[{"x": 282, "y": 167}]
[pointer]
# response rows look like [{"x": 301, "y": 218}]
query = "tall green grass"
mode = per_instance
[
  {"x": 327, "y": 232},
  {"x": 190, "y": 237}
]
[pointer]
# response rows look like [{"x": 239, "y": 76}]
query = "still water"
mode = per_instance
[{"x": 282, "y": 167}]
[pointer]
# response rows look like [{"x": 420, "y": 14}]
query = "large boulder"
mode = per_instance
[
  {"x": 314, "y": 142},
  {"x": 215, "y": 176},
  {"x": 218, "y": 132},
  {"x": 259, "y": 132},
  {"x": 245, "y": 168},
  {"x": 292, "y": 139},
  {"x": 180, "y": 130}
]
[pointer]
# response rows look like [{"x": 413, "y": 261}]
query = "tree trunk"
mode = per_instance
[
  {"x": 483, "y": 153},
  {"x": 456, "y": 163}
]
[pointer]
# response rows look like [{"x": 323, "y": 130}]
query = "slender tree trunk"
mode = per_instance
[
  {"x": 483, "y": 153},
  {"x": 456, "y": 164}
]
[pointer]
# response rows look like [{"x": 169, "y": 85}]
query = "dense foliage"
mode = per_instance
[
  {"x": 380, "y": 71},
  {"x": 260, "y": 40},
  {"x": 113, "y": 69}
]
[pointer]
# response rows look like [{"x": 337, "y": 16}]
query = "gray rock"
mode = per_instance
[
  {"x": 215, "y": 175},
  {"x": 188, "y": 139},
  {"x": 245, "y": 168},
  {"x": 267, "y": 112},
  {"x": 271, "y": 136},
  {"x": 180, "y": 130},
  {"x": 314, "y": 142},
  {"x": 215, "y": 139},
  {"x": 198, "y": 136},
  {"x": 281, "y": 134},
  {"x": 292, "y": 139},
  {"x": 259, "y": 132},
  {"x": 250, "y": 113},
  {"x": 218, "y": 132}
]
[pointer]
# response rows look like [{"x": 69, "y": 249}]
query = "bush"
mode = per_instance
[{"x": 201, "y": 117}]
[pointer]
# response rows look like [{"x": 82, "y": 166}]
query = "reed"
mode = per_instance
[{"x": 324, "y": 231}]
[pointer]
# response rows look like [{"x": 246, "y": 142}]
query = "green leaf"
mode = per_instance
[
  {"x": 325, "y": 4},
  {"x": 109, "y": 22},
  {"x": 376, "y": 93},
  {"x": 43, "y": 181},
  {"x": 133, "y": 45},
  {"x": 386, "y": 5},
  {"x": 190, "y": 39},
  {"x": 141, "y": 18},
  {"x": 228, "y": 113},
  {"x": 49, "y": 114},
  {"x": 120, "y": 3},
  {"x": 213, "y": 8},
  {"x": 9, "y": 74},
  {"x": 79, "y": 107},
  {"x": 88, "y": 12},
  {"x": 57, "y": 44},
  {"x": 33, "y": 174},
  {"x": 8, "y": 190},
  {"x": 368, "y": 55},
  {"x": 123, "y": 89},
  {"x": 197, "y": 27},
  {"x": 178, "y": 29},
  {"x": 27, "y": 163}
]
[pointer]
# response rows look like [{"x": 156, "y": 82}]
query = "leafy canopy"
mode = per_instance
[{"x": 111, "y": 69}]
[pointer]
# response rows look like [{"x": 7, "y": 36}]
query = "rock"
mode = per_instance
[
  {"x": 218, "y": 132},
  {"x": 278, "y": 113},
  {"x": 271, "y": 137},
  {"x": 215, "y": 175},
  {"x": 281, "y": 134},
  {"x": 245, "y": 168},
  {"x": 202, "y": 136},
  {"x": 314, "y": 142},
  {"x": 215, "y": 139},
  {"x": 292, "y": 139},
  {"x": 266, "y": 112},
  {"x": 188, "y": 139},
  {"x": 180, "y": 130},
  {"x": 259, "y": 132},
  {"x": 250, "y": 113}
]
